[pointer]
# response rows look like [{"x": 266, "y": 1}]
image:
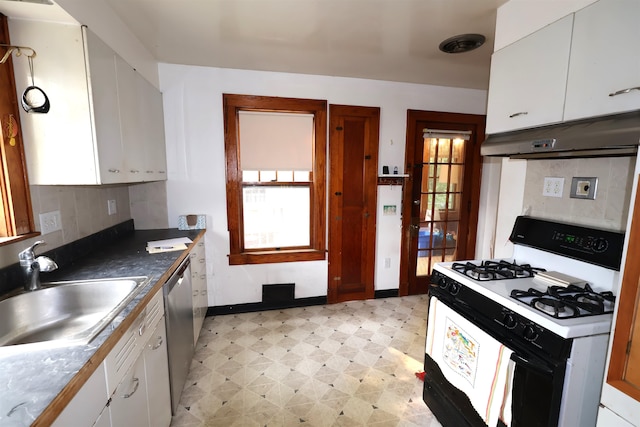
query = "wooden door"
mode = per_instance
[
  {"x": 441, "y": 197},
  {"x": 353, "y": 157}
]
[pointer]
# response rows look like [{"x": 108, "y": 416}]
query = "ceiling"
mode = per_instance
[{"x": 395, "y": 40}]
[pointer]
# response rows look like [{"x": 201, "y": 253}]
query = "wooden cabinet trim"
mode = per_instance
[{"x": 627, "y": 310}]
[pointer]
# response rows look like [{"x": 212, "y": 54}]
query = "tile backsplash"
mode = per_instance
[
  {"x": 83, "y": 211},
  {"x": 610, "y": 208}
]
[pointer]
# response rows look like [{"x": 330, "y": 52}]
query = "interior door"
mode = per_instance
[
  {"x": 441, "y": 197},
  {"x": 353, "y": 157}
]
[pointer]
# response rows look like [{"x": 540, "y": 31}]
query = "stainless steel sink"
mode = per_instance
[{"x": 74, "y": 311}]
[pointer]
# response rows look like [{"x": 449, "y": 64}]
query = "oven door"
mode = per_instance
[{"x": 522, "y": 390}]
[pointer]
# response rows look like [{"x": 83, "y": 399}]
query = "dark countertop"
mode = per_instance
[{"x": 38, "y": 380}]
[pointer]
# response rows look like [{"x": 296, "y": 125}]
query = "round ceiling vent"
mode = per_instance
[{"x": 462, "y": 43}]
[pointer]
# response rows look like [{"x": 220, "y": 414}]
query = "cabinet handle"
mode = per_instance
[
  {"x": 142, "y": 328},
  {"x": 134, "y": 171},
  {"x": 161, "y": 172},
  {"x": 620, "y": 92},
  {"x": 158, "y": 344},
  {"x": 149, "y": 171},
  {"x": 136, "y": 383},
  {"x": 114, "y": 170},
  {"x": 521, "y": 113}
]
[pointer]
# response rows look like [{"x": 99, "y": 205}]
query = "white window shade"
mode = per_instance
[
  {"x": 276, "y": 141},
  {"x": 447, "y": 134}
]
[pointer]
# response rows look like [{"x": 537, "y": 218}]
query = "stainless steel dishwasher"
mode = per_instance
[{"x": 179, "y": 321}]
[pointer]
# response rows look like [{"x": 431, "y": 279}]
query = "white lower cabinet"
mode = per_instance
[
  {"x": 199, "y": 287},
  {"x": 129, "y": 407},
  {"x": 142, "y": 396},
  {"x": 88, "y": 407},
  {"x": 156, "y": 367},
  {"x": 104, "y": 420}
]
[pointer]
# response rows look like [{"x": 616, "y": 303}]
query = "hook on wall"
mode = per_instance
[
  {"x": 18, "y": 50},
  {"x": 34, "y": 100}
]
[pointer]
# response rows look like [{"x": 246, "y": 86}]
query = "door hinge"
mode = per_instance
[
  {"x": 367, "y": 157},
  {"x": 629, "y": 347},
  {"x": 339, "y": 128}
]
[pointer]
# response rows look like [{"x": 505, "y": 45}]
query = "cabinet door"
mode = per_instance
[
  {"x": 130, "y": 119},
  {"x": 604, "y": 60},
  {"x": 156, "y": 366},
  {"x": 528, "y": 79},
  {"x": 87, "y": 404},
  {"x": 59, "y": 145},
  {"x": 152, "y": 124},
  {"x": 104, "y": 419},
  {"x": 101, "y": 72},
  {"x": 129, "y": 402}
]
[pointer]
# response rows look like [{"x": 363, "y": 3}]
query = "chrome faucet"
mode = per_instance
[{"x": 32, "y": 266}]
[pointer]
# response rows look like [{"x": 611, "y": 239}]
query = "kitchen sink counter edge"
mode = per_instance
[{"x": 38, "y": 380}]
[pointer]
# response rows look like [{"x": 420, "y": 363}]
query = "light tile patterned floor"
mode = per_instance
[{"x": 348, "y": 364}]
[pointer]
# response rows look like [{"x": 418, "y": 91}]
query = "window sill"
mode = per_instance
[
  {"x": 4, "y": 241},
  {"x": 270, "y": 257}
]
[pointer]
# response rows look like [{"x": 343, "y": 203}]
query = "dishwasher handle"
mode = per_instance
[{"x": 177, "y": 276}]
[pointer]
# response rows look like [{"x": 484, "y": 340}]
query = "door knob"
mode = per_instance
[{"x": 416, "y": 202}]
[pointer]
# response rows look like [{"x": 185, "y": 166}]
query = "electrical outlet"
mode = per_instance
[
  {"x": 50, "y": 222},
  {"x": 583, "y": 188},
  {"x": 553, "y": 187},
  {"x": 112, "y": 209},
  {"x": 387, "y": 263}
]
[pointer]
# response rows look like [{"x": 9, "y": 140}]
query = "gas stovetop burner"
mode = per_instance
[
  {"x": 564, "y": 302},
  {"x": 495, "y": 270}
]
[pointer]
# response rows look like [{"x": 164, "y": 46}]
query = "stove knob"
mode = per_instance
[
  {"x": 454, "y": 288},
  {"x": 600, "y": 245},
  {"x": 509, "y": 320},
  {"x": 442, "y": 282},
  {"x": 530, "y": 333}
]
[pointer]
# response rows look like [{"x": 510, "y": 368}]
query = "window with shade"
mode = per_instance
[{"x": 275, "y": 149}]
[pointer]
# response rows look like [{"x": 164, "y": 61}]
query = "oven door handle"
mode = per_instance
[{"x": 531, "y": 364}]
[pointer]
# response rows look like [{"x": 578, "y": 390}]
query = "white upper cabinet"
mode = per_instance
[
  {"x": 104, "y": 119},
  {"x": 604, "y": 67},
  {"x": 528, "y": 79}
]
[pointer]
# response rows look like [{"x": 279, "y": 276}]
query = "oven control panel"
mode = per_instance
[{"x": 592, "y": 245}]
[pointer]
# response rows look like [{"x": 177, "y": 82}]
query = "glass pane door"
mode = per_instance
[{"x": 440, "y": 200}]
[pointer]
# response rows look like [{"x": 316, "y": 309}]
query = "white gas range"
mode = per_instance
[{"x": 551, "y": 305}]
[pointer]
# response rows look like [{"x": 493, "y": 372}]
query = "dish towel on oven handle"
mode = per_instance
[{"x": 472, "y": 361}]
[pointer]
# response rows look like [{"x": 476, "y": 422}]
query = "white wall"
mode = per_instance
[{"x": 196, "y": 163}]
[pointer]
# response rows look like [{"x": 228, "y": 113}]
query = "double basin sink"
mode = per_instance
[{"x": 72, "y": 312}]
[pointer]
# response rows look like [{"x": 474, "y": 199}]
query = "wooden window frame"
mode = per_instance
[
  {"x": 232, "y": 105},
  {"x": 16, "y": 220}
]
